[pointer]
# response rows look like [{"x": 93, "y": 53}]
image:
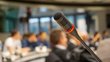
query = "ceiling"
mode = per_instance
[
  {"x": 91, "y": 5},
  {"x": 82, "y": 1},
  {"x": 61, "y": 2}
]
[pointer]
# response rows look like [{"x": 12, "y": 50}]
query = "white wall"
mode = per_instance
[{"x": 100, "y": 21}]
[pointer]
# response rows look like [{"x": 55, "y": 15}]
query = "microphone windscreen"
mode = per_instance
[{"x": 57, "y": 15}]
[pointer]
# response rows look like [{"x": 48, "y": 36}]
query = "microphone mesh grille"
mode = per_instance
[{"x": 57, "y": 15}]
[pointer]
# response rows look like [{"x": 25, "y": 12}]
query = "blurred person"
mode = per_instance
[
  {"x": 74, "y": 40},
  {"x": 97, "y": 37},
  {"x": 37, "y": 35},
  {"x": 96, "y": 40},
  {"x": 71, "y": 42},
  {"x": 81, "y": 54},
  {"x": 85, "y": 38},
  {"x": 42, "y": 40},
  {"x": 61, "y": 53},
  {"x": 13, "y": 43},
  {"x": 25, "y": 36},
  {"x": 30, "y": 43},
  {"x": 105, "y": 34}
]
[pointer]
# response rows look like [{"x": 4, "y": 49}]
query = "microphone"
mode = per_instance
[{"x": 70, "y": 28}]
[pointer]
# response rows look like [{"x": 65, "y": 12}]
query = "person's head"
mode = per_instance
[
  {"x": 32, "y": 37},
  {"x": 97, "y": 36},
  {"x": 16, "y": 35},
  {"x": 105, "y": 33},
  {"x": 85, "y": 36},
  {"x": 25, "y": 36},
  {"x": 43, "y": 36},
  {"x": 58, "y": 37}
]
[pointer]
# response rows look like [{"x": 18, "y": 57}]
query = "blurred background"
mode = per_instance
[{"x": 36, "y": 16}]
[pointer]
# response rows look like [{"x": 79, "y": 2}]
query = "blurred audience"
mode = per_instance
[
  {"x": 105, "y": 34},
  {"x": 86, "y": 39},
  {"x": 29, "y": 43},
  {"x": 25, "y": 36},
  {"x": 59, "y": 52},
  {"x": 13, "y": 44},
  {"x": 97, "y": 37},
  {"x": 74, "y": 40},
  {"x": 42, "y": 40},
  {"x": 65, "y": 47},
  {"x": 71, "y": 42},
  {"x": 78, "y": 51},
  {"x": 64, "y": 51},
  {"x": 95, "y": 41}
]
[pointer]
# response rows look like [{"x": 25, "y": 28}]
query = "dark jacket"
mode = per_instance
[
  {"x": 86, "y": 57},
  {"x": 53, "y": 58},
  {"x": 59, "y": 55},
  {"x": 43, "y": 43},
  {"x": 80, "y": 53},
  {"x": 72, "y": 54}
]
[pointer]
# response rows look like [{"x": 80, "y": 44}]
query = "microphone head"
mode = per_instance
[
  {"x": 63, "y": 22},
  {"x": 57, "y": 15}
]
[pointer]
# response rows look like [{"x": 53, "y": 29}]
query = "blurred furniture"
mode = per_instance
[{"x": 33, "y": 57}]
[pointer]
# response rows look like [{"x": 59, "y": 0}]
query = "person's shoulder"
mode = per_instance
[
  {"x": 38, "y": 41},
  {"x": 52, "y": 58},
  {"x": 25, "y": 41},
  {"x": 9, "y": 39}
]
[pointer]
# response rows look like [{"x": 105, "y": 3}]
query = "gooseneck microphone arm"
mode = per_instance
[
  {"x": 86, "y": 47},
  {"x": 66, "y": 25}
]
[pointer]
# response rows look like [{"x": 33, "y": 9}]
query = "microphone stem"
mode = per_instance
[{"x": 86, "y": 47}]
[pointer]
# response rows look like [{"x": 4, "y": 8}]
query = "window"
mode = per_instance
[
  {"x": 81, "y": 23},
  {"x": 55, "y": 25},
  {"x": 34, "y": 25},
  {"x": 9, "y": 25},
  {"x": 71, "y": 19},
  {"x": 21, "y": 27},
  {"x": 45, "y": 24}
]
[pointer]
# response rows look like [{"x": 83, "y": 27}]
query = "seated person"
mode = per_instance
[
  {"x": 96, "y": 40},
  {"x": 25, "y": 36},
  {"x": 59, "y": 44},
  {"x": 13, "y": 43},
  {"x": 42, "y": 40},
  {"x": 105, "y": 34},
  {"x": 62, "y": 50},
  {"x": 30, "y": 43}
]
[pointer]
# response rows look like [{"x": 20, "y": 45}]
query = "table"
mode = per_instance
[{"x": 33, "y": 56}]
